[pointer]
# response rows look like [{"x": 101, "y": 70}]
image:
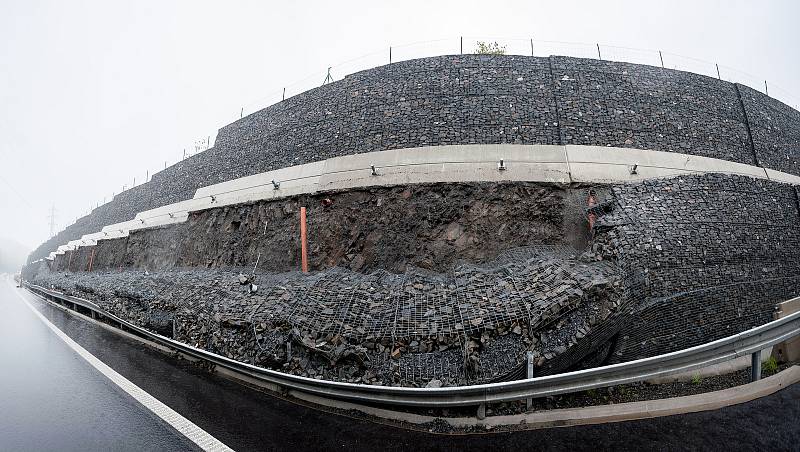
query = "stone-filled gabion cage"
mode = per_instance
[{"x": 454, "y": 283}]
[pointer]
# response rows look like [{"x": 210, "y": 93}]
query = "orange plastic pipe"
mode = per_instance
[
  {"x": 303, "y": 241},
  {"x": 91, "y": 260},
  {"x": 592, "y": 201}
]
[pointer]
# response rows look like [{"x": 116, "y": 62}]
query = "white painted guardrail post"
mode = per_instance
[
  {"x": 755, "y": 366},
  {"x": 529, "y": 360}
]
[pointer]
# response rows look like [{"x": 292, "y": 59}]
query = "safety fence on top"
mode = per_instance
[{"x": 524, "y": 47}]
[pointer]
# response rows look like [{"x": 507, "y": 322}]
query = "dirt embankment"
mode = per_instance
[{"x": 430, "y": 226}]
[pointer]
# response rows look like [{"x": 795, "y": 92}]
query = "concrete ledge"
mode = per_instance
[
  {"x": 604, "y": 164},
  {"x": 287, "y": 177},
  {"x": 782, "y": 177}
]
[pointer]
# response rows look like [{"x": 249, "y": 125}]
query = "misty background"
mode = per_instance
[{"x": 95, "y": 94}]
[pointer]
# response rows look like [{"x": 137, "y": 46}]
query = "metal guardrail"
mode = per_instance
[{"x": 749, "y": 342}]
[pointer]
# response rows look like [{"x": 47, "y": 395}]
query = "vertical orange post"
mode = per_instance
[
  {"x": 592, "y": 201},
  {"x": 91, "y": 260},
  {"x": 303, "y": 241}
]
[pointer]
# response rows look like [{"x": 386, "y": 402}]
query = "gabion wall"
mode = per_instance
[
  {"x": 704, "y": 257},
  {"x": 473, "y": 99}
]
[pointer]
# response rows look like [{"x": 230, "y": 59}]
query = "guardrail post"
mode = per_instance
[
  {"x": 755, "y": 366},
  {"x": 481, "y": 412},
  {"x": 529, "y": 360}
]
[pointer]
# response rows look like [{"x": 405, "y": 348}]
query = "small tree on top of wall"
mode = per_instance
[{"x": 489, "y": 48}]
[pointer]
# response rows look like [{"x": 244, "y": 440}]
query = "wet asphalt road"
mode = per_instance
[
  {"x": 46, "y": 411},
  {"x": 52, "y": 399}
]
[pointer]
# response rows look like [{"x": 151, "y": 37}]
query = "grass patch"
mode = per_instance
[{"x": 770, "y": 365}]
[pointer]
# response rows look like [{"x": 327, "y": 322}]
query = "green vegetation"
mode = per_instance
[
  {"x": 770, "y": 365},
  {"x": 489, "y": 48},
  {"x": 696, "y": 380}
]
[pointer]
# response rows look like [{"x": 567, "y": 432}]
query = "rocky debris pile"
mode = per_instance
[{"x": 471, "y": 325}]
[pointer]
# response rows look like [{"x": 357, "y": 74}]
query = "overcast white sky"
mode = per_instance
[{"x": 95, "y": 93}]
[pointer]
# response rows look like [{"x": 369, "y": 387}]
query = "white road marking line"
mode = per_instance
[{"x": 186, "y": 427}]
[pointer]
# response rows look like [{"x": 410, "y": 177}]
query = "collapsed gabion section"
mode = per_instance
[{"x": 473, "y": 324}]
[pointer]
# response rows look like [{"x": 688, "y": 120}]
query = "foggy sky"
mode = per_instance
[{"x": 95, "y": 93}]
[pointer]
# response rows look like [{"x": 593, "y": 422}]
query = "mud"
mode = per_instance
[{"x": 429, "y": 226}]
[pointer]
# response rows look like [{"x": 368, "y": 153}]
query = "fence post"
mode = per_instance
[
  {"x": 755, "y": 366},
  {"x": 531, "y": 46},
  {"x": 599, "y": 57},
  {"x": 284, "y": 94},
  {"x": 529, "y": 360},
  {"x": 660, "y": 57},
  {"x": 718, "y": 76},
  {"x": 766, "y": 88},
  {"x": 462, "y": 46},
  {"x": 390, "y": 54}
]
